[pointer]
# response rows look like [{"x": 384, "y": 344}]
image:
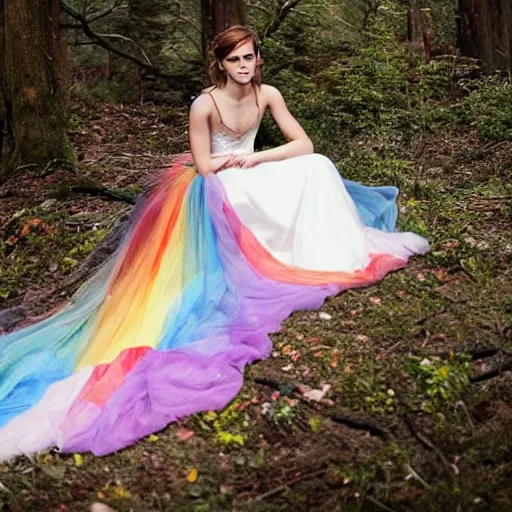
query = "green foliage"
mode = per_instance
[
  {"x": 488, "y": 108},
  {"x": 439, "y": 381},
  {"x": 229, "y": 424}
]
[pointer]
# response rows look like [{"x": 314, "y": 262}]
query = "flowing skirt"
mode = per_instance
[{"x": 208, "y": 269}]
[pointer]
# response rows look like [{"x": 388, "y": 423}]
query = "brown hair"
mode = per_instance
[{"x": 223, "y": 44}]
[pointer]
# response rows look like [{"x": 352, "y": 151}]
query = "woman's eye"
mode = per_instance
[{"x": 233, "y": 59}]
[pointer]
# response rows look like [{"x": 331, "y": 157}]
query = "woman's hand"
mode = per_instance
[{"x": 246, "y": 160}]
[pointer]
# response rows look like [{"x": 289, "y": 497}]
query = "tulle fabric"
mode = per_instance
[{"x": 166, "y": 327}]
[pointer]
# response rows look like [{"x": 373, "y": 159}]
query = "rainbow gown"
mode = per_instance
[{"x": 166, "y": 326}]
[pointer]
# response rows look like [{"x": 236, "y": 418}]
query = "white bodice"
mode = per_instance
[{"x": 226, "y": 143}]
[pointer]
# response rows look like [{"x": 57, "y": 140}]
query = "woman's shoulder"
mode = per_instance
[
  {"x": 270, "y": 93},
  {"x": 201, "y": 107},
  {"x": 208, "y": 89}
]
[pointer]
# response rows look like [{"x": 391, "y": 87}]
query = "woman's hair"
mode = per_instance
[{"x": 223, "y": 44}]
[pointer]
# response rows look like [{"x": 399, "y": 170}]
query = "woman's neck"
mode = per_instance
[{"x": 238, "y": 91}]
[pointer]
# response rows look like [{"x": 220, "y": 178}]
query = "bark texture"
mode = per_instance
[
  {"x": 217, "y": 15},
  {"x": 34, "y": 84},
  {"x": 485, "y": 32}
]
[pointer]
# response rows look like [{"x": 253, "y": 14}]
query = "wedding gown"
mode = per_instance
[{"x": 209, "y": 267}]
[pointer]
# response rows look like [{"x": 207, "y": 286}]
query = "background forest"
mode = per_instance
[{"x": 412, "y": 397}]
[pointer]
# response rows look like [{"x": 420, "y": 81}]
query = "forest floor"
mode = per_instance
[{"x": 397, "y": 420}]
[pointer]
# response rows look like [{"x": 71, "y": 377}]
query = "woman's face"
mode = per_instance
[{"x": 240, "y": 64}]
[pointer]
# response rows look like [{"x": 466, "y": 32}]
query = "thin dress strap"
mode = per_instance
[
  {"x": 237, "y": 134},
  {"x": 217, "y": 107}
]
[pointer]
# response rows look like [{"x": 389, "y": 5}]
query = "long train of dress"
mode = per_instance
[{"x": 210, "y": 267}]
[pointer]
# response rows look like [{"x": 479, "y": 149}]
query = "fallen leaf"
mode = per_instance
[
  {"x": 324, "y": 316},
  {"x": 295, "y": 355},
  {"x": 335, "y": 355},
  {"x": 315, "y": 423},
  {"x": 118, "y": 491},
  {"x": 79, "y": 460},
  {"x": 192, "y": 476},
  {"x": 316, "y": 395},
  {"x": 210, "y": 416},
  {"x": 152, "y": 438},
  {"x": 375, "y": 300}
]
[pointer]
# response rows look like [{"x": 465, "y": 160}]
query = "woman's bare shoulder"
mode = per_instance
[
  {"x": 202, "y": 105},
  {"x": 270, "y": 94}
]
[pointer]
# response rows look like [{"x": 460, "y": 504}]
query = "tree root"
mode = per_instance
[
  {"x": 476, "y": 351},
  {"x": 506, "y": 366},
  {"x": 108, "y": 193}
]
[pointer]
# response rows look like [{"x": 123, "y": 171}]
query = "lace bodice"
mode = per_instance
[{"x": 227, "y": 143}]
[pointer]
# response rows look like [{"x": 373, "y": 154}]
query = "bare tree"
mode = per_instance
[
  {"x": 485, "y": 32},
  {"x": 33, "y": 74}
]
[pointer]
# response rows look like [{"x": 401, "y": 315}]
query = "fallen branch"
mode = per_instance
[
  {"x": 115, "y": 195},
  {"x": 359, "y": 424},
  {"x": 475, "y": 351},
  {"x": 506, "y": 366}
]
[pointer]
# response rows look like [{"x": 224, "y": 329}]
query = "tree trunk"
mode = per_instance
[
  {"x": 419, "y": 30},
  {"x": 217, "y": 15},
  {"x": 34, "y": 85},
  {"x": 415, "y": 24},
  {"x": 485, "y": 32}
]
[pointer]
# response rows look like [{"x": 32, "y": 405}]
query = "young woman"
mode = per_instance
[
  {"x": 293, "y": 201},
  {"x": 217, "y": 257}
]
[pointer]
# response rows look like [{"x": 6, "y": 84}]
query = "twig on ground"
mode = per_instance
[
  {"x": 425, "y": 441},
  {"x": 388, "y": 351},
  {"x": 421, "y": 321},
  {"x": 506, "y": 366},
  {"x": 283, "y": 487},
  {"x": 414, "y": 474},
  {"x": 378, "y": 504}
]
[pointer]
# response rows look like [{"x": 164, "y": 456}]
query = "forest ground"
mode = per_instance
[{"x": 401, "y": 426}]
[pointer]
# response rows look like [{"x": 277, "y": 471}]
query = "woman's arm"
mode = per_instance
[
  {"x": 199, "y": 139},
  {"x": 298, "y": 142}
]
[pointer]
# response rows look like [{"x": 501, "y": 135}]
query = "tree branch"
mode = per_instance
[
  {"x": 100, "y": 15},
  {"x": 180, "y": 16},
  {"x": 93, "y": 36},
  {"x": 282, "y": 10}
]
